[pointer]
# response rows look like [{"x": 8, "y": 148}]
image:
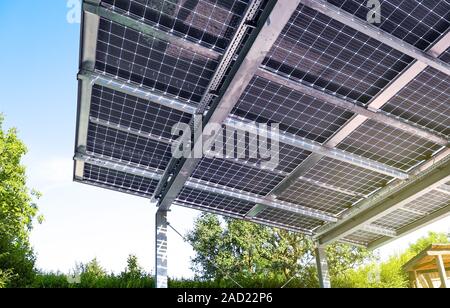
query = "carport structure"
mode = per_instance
[{"x": 363, "y": 111}]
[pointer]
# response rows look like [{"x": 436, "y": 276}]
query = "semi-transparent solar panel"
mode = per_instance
[
  {"x": 417, "y": 22},
  {"x": 121, "y": 181},
  {"x": 289, "y": 219},
  {"x": 302, "y": 115},
  {"x": 203, "y": 200},
  {"x": 318, "y": 198},
  {"x": 148, "y": 61},
  {"x": 233, "y": 175},
  {"x": 362, "y": 237},
  {"x": 349, "y": 177},
  {"x": 425, "y": 101},
  {"x": 134, "y": 113},
  {"x": 127, "y": 147},
  {"x": 429, "y": 203},
  {"x": 313, "y": 49},
  {"x": 212, "y": 22},
  {"x": 388, "y": 145},
  {"x": 397, "y": 219},
  {"x": 320, "y": 51}
]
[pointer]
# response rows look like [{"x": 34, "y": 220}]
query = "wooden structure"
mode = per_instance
[{"x": 430, "y": 268}]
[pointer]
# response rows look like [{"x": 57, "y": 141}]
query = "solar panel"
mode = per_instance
[
  {"x": 320, "y": 51},
  {"x": 140, "y": 115},
  {"x": 120, "y": 181},
  {"x": 419, "y": 22},
  {"x": 206, "y": 201},
  {"x": 157, "y": 63},
  {"x": 267, "y": 102},
  {"x": 390, "y": 146},
  {"x": 128, "y": 54},
  {"x": 425, "y": 101},
  {"x": 212, "y": 23}
]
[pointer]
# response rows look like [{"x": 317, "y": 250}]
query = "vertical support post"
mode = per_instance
[
  {"x": 442, "y": 272},
  {"x": 161, "y": 281},
  {"x": 322, "y": 267}
]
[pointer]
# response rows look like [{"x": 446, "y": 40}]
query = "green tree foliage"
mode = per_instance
[
  {"x": 17, "y": 211},
  {"x": 254, "y": 255},
  {"x": 388, "y": 274}
]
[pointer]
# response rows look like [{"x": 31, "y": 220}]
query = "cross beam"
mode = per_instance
[
  {"x": 197, "y": 184},
  {"x": 380, "y": 206}
]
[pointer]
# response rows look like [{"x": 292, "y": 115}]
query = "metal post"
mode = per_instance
[
  {"x": 322, "y": 267},
  {"x": 161, "y": 250}
]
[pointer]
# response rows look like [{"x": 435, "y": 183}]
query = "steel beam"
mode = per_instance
[
  {"x": 378, "y": 207},
  {"x": 161, "y": 276},
  {"x": 201, "y": 185},
  {"x": 89, "y": 32},
  {"x": 149, "y": 30},
  {"x": 136, "y": 90},
  {"x": 316, "y": 147},
  {"x": 322, "y": 267},
  {"x": 117, "y": 165},
  {"x": 270, "y": 24},
  {"x": 379, "y": 230},
  {"x": 378, "y": 116},
  {"x": 253, "y": 198},
  {"x": 129, "y": 130},
  {"x": 376, "y": 33}
]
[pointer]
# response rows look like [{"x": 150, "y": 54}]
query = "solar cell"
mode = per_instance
[{"x": 144, "y": 84}]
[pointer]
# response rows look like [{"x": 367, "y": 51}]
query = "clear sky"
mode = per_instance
[{"x": 39, "y": 62}]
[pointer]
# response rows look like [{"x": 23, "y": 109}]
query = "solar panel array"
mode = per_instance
[{"x": 141, "y": 85}]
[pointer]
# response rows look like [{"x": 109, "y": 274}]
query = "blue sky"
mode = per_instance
[{"x": 39, "y": 61}]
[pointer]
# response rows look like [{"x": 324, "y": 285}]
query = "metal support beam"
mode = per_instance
[
  {"x": 161, "y": 277},
  {"x": 322, "y": 267},
  {"x": 376, "y": 33},
  {"x": 316, "y": 147},
  {"x": 117, "y": 165},
  {"x": 270, "y": 24},
  {"x": 135, "y": 90},
  {"x": 378, "y": 116},
  {"x": 249, "y": 197},
  {"x": 89, "y": 32},
  {"x": 379, "y": 230},
  {"x": 130, "y": 130},
  {"x": 377, "y": 207},
  {"x": 205, "y": 186},
  {"x": 149, "y": 30}
]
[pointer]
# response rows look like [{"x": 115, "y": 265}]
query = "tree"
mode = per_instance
[
  {"x": 17, "y": 211},
  {"x": 255, "y": 255}
]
